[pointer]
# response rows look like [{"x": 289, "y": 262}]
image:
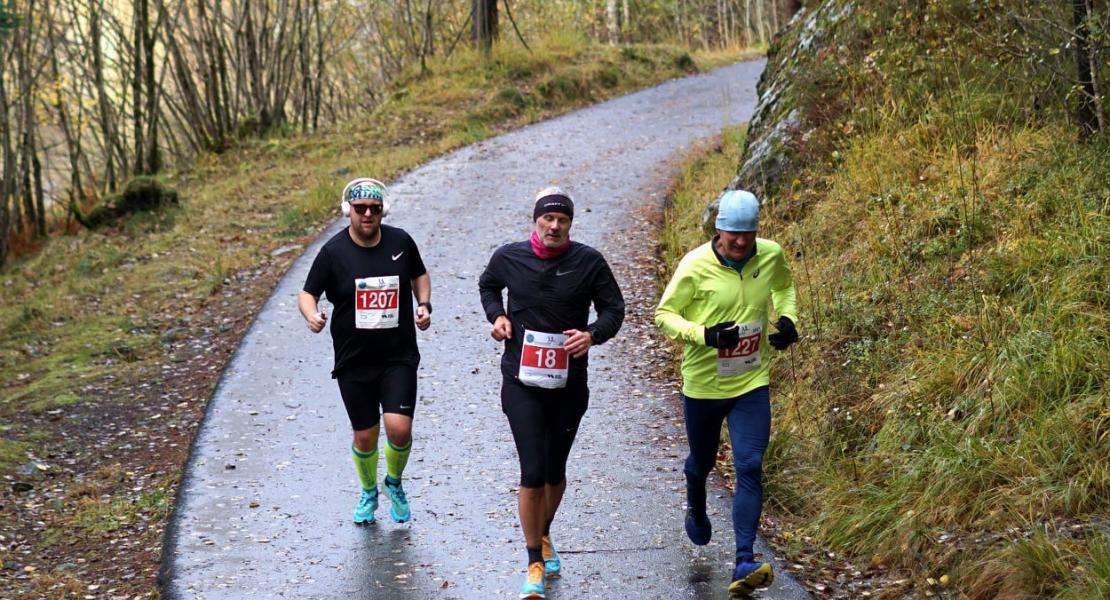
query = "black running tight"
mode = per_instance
[{"x": 544, "y": 423}]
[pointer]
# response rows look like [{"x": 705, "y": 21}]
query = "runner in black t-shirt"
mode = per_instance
[
  {"x": 552, "y": 282},
  {"x": 370, "y": 273}
]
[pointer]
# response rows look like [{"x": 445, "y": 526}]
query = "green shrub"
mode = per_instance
[
  {"x": 513, "y": 96},
  {"x": 685, "y": 62},
  {"x": 609, "y": 76}
]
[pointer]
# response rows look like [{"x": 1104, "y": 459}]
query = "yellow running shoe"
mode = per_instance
[{"x": 748, "y": 576}]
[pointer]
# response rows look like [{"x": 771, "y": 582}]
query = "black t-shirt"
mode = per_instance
[
  {"x": 371, "y": 288},
  {"x": 551, "y": 296}
]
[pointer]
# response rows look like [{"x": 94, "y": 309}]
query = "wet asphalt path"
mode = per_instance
[{"x": 265, "y": 506}]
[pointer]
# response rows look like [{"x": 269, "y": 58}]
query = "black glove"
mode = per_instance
[
  {"x": 722, "y": 335},
  {"x": 787, "y": 334}
]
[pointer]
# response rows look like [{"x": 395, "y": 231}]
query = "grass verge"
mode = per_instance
[{"x": 946, "y": 422}]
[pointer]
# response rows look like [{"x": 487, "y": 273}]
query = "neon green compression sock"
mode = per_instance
[
  {"x": 366, "y": 463},
  {"x": 396, "y": 459}
]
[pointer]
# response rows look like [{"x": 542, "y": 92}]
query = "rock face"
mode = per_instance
[{"x": 778, "y": 123}]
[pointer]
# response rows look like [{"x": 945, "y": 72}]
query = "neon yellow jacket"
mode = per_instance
[{"x": 704, "y": 292}]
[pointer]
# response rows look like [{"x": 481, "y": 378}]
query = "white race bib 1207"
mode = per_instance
[
  {"x": 376, "y": 302},
  {"x": 543, "y": 360},
  {"x": 745, "y": 356}
]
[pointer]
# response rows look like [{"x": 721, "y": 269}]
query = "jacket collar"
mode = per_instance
[{"x": 721, "y": 259}]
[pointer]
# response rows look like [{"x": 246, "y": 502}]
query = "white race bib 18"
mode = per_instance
[
  {"x": 543, "y": 360},
  {"x": 745, "y": 356},
  {"x": 376, "y": 302}
]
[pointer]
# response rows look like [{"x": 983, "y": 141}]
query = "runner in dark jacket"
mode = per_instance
[{"x": 552, "y": 282}]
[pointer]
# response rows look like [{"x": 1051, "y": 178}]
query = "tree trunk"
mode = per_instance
[
  {"x": 153, "y": 156},
  {"x": 227, "y": 110},
  {"x": 612, "y": 22},
  {"x": 318, "y": 92},
  {"x": 759, "y": 22},
  {"x": 302, "y": 63},
  {"x": 102, "y": 100},
  {"x": 749, "y": 33},
  {"x": 7, "y": 159},
  {"x": 722, "y": 24},
  {"x": 253, "y": 66},
  {"x": 28, "y": 147},
  {"x": 39, "y": 194},
  {"x": 73, "y": 143},
  {"x": 485, "y": 23},
  {"x": 26, "y": 151},
  {"x": 676, "y": 13},
  {"x": 139, "y": 19},
  {"x": 733, "y": 29},
  {"x": 426, "y": 47},
  {"x": 1090, "y": 121}
]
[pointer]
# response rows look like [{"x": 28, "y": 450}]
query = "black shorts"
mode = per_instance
[
  {"x": 391, "y": 387},
  {"x": 544, "y": 423}
]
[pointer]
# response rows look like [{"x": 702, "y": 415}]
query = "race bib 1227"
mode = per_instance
[{"x": 745, "y": 356}]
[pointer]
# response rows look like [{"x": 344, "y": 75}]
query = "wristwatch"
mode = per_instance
[{"x": 427, "y": 305}]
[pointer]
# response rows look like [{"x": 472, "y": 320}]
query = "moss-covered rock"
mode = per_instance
[
  {"x": 779, "y": 124},
  {"x": 141, "y": 194},
  {"x": 777, "y": 121}
]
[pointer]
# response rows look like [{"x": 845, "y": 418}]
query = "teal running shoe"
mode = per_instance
[
  {"x": 748, "y": 576},
  {"x": 398, "y": 502},
  {"x": 533, "y": 584},
  {"x": 551, "y": 564},
  {"x": 367, "y": 504}
]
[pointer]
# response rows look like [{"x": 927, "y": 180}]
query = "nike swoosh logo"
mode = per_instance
[
  {"x": 398, "y": 255},
  {"x": 559, "y": 273}
]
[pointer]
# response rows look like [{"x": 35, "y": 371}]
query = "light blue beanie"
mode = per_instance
[{"x": 737, "y": 210}]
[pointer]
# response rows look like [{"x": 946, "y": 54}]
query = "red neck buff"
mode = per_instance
[{"x": 544, "y": 252}]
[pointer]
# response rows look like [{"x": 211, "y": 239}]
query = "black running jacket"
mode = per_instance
[{"x": 551, "y": 295}]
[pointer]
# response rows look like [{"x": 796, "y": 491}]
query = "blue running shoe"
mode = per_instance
[
  {"x": 398, "y": 502},
  {"x": 533, "y": 584},
  {"x": 698, "y": 527},
  {"x": 367, "y": 504},
  {"x": 748, "y": 576},
  {"x": 551, "y": 564}
]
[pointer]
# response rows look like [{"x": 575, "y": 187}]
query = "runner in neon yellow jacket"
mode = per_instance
[
  {"x": 705, "y": 291},
  {"x": 717, "y": 304}
]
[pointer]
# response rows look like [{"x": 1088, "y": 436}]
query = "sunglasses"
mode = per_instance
[{"x": 375, "y": 209}]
